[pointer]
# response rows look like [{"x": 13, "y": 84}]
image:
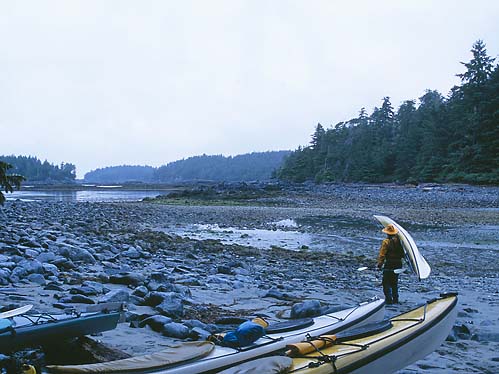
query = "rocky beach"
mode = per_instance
[{"x": 181, "y": 267}]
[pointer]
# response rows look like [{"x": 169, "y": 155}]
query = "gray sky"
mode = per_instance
[{"x": 102, "y": 83}]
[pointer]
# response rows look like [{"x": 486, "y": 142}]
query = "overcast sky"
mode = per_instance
[{"x": 103, "y": 83}]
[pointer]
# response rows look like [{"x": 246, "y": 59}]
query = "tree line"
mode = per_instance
[
  {"x": 34, "y": 170},
  {"x": 247, "y": 167},
  {"x": 440, "y": 139}
]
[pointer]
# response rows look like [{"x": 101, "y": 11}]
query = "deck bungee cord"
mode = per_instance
[{"x": 329, "y": 341}]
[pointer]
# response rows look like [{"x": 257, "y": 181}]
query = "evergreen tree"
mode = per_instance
[
  {"x": 8, "y": 181},
  {"x": 454, "y": 139},
  {"x": 479, "y": 68}
]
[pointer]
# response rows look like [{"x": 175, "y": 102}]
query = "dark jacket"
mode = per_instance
[{"x": 391, "y": 253}]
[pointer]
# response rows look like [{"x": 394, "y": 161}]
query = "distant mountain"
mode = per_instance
[
  {"x": 247, "y": 167},
  {"x": 121, "y": 174}
]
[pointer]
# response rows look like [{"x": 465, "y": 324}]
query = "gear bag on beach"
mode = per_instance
[{"x": 246, "y": 333}]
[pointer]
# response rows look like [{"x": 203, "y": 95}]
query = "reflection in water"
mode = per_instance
[{"x": 87, "y": 195}]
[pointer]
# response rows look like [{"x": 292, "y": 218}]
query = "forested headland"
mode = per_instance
[
  {"x": 121, "y": 174},
  {"x": 34, "y": 170},
  {"x": 256, "y": 166},
  {"x": 436, "y": 139}
]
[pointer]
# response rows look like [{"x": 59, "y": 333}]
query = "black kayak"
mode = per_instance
[{"x": 38, "y": 328}]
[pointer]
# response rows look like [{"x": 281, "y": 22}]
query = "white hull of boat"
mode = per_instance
[
  {"x": 222, "y": 357},
  {"x": 417, "y": 262}
]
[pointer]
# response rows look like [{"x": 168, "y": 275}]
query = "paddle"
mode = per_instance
[
  {"x": 16, "y": 312},
  {"x": 396, "y": 271}
]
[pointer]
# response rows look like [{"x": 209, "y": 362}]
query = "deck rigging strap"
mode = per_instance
[
  {"x": 344, "y": 318},
  {"x": 322, "y": 358},
  {"x": 38, "y": 318}
]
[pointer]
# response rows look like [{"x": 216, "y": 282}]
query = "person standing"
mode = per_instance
[{"x": 390, "y": 258}]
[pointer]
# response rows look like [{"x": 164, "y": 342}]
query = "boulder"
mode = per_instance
[
  {"x": 175, "y": 330},
  {"x": 127, "y": 278},
  {"x": 308, "y": 308},
  {"x": 37, "y": 278},
  {"x": 155, "y": 322},
  {"x": 77, "y": 254},
  {"x": 76, "y": 299},
  {"x": 115, "y": 296},
  {"x": 172, "y": 306}
]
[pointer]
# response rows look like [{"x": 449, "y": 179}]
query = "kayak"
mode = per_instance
[
  {"x": 416, "y": 261},
  {"x": 37, "y": 328},
  {"x": 384, "y": 347},
  {"x": 204, "y": 360}
]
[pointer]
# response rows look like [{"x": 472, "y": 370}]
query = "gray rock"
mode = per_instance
[
  {"x": 171, "y": 306},
  {"x": 31, "y": 253},
  {"x": 31, "y": 266},
  {"x": 115, "y": 296},
  {"x": 76, "y": 299},
  {"x": 46, "y": 257},
  {"x": 4, "y": 277},
  {"x": 132, "y": 253},
  {"x": 96, "y": 286},
  {"x": 84, "y": 290},
  {"x": 54, "y": 286},
  {"x": 64, "y": 263},
  {"x": 191, "y": 323},
  {"x": 183, "y": 291},
  {"x": 77, "y": 254},
  {"x": 175, "y": 330},
  {"x": 276, "y": 294},
  {"x": 37, "y": 278},
  {"x": 155, "y": 322},
  {"x": 140, "y": 291},
  {"x": 155, "y": 298},
  {"x": 308, "y": 308},
  {"x": 136, "y": 300},
  {"x": 199, "y": 334},
  {"x": 50, "y": 269},
  {"x": 486, "y": 336},
  {"x": 29, "y": 242},
  {"x": 224, "y": 269},
  {"x": 459, "y": 332},
  {"x": 129, "y": 279},
  {"x": 238, "y": 285}
]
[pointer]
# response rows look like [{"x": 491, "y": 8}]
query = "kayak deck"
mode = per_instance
[{"x": 412, "y": 336}]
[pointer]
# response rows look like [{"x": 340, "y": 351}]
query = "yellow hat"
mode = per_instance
[
  {"x": 390, "y": 230},
  {"x": 260, "y": 321},
  {"x": 28, "y": 369}
]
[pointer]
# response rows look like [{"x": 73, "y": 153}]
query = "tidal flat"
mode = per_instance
[{"x": 300, "y": 243}]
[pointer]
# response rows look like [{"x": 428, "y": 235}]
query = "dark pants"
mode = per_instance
[{"x": 390, "y": 286}]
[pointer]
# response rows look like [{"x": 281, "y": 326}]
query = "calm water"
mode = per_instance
[{"x": 96, "y": 195}]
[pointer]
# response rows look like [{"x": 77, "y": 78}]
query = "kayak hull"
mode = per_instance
[
  {"x": 33, "y": 329},
  {"x": 406, "y": 354},
  {"x": 413, "y": 336},
  {"x": 416, "y": 260},
  {"x": 224, "y": 357}
]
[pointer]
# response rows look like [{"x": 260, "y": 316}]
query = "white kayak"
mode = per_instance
[
  {"x": 416, "y": 261},
  {"x": 221, "y": 357}
]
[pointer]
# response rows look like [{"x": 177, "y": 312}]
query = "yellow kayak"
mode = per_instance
[{"x": 403, "y": 340}]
